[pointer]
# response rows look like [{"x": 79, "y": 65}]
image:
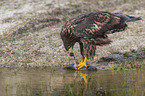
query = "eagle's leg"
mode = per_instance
[{"x": 82, "y": 63}]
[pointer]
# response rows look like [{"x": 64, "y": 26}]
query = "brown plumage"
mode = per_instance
[{"x": 90, "y": 30}]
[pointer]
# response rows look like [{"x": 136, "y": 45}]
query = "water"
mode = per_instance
[{"x": 57, "y": 82}]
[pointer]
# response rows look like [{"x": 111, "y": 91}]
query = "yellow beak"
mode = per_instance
[{"x": 71, "y": 52}]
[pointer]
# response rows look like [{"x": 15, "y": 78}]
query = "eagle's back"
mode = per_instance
[
  {"x": 98, "y": 24},
  {"x": 93, "y": 27}
]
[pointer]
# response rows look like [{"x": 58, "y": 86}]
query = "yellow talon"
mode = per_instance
[{"x": 82, "y": 63}]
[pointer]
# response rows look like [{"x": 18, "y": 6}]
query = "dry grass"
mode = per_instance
[{"x": 26, "y": 42}]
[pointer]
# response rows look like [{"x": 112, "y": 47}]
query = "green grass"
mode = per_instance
[{"x": 127, "y": 65}]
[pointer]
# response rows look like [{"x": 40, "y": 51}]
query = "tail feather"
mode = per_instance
[
  {"x": 128, "y": 18},
  {"x": 131, "y": 18}
]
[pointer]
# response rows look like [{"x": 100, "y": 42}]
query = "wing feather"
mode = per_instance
[{"x": 94, "y": 24}]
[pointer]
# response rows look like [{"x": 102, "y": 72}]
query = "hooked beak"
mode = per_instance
[{"x": 71, "y": 52}]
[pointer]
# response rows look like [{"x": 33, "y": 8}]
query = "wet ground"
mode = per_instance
[{"x": 57, "y": 82}]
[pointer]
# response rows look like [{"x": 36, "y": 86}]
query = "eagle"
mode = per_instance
[{"x": 90, "y": 30}]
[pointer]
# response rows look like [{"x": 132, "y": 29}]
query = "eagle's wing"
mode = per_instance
[{"x": 96, "y": 24}]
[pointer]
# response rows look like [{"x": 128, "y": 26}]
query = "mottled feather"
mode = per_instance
[{"x": 91, "y": 29}]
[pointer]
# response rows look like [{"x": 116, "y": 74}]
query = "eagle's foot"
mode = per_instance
[{"x": 82, "y": 63}]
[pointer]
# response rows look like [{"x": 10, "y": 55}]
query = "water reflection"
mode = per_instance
[{"x": 50, "y": 82}]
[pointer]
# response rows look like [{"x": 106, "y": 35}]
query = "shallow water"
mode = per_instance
[{"x": 57, "y": 82}]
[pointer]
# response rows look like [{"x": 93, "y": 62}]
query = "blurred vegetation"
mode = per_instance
[{"x": 30, "y": 32}]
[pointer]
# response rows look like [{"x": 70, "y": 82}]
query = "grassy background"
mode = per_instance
[{"x": 29, "y": 32}]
